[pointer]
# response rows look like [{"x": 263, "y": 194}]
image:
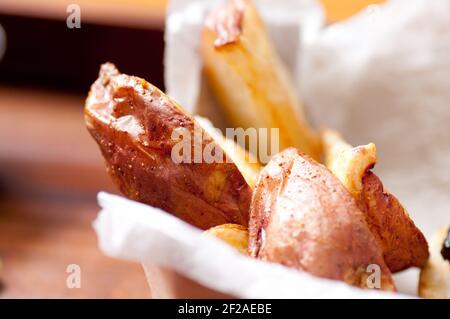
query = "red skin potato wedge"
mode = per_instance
[
  {"x": 303, "y": 217},
  {"x": 132, "y": 122},
  {"x": 403, "y": 244}
]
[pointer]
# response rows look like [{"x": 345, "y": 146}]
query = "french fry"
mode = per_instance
[
  {"x": 246, "y": 162},
  {"x": 403, "y": 243},
  {"x": 348, "y": 163},
  {"x": 250, "y": 82}
]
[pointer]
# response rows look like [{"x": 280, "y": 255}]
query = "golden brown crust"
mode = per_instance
[
  {"x": 246, "y": 162},
  {"x": 348, "y": 163},
  {"x": 132, "y": 122},
  {"x": 249, "y": 80},
  {"x": 303, "y": 217},
  {"x": 233, "y": 234}
]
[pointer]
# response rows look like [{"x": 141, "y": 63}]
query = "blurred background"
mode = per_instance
[{"x": 50, "y": 169}]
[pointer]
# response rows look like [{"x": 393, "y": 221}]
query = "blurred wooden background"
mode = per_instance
[{"x": 50, "y": 169}]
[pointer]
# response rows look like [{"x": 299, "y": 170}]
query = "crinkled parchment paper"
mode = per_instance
[{"x": 135, "y": 231}]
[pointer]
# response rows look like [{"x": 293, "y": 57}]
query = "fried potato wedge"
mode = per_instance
[
  {"x": 233, "y": 234},
  {"x": 348, "y": 163},
  {"x": 246, "y": 162},
  {"x": 248, "y": 79},
  {"x": 435, "y": 276},
  {"x": 303, "y": 217},
  {"x": 402, "y": 242},
  {"x": 133, "y": 123}
]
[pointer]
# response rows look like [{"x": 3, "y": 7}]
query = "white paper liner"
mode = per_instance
[
  {"x": 134, "y": 231},
  {"x": 383, "y": 77}
]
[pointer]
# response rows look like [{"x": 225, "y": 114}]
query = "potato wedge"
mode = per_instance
[
  {"x": 435, "y": 276},
  {"x": 247, "y": 164},
  {"x": 233, "y": 234},
  {"x": 133, "y": 122},
  {"x": 402, "y": 242},
  {"x": 347, "y": 163},
  {"x": 303, "y": 217},
  {"x": 250, "y": 82}
]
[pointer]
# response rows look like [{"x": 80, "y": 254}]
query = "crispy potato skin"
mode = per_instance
[
  {"x": 248, "y": 78},
  {"x": 402, "y": 242},
  {"x": 233, "y": 234},
  {"x": 227, "y": 22},
  {"x": 132, "y": 122},
  {"x": 303, "y": 217}
]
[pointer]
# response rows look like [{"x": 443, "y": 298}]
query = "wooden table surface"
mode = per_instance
[
  {"x": 50, "y": 171},
  {"x": 41, "y": 236}
]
